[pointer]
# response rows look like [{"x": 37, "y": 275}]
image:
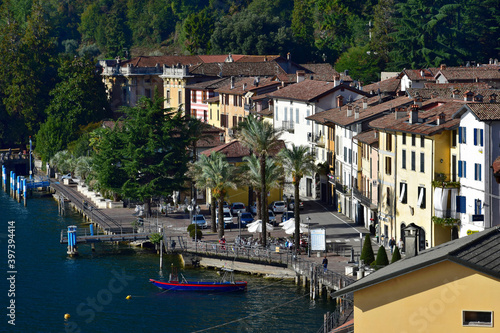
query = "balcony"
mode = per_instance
[
  {"x": 363, "y": 196},
  {"x": 320, "y": 140},
  {"x": 288, "y": 126}
]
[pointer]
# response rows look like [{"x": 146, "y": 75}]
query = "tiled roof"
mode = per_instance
[
  {"x": 485, "y": 111},
  {"x": 479, "y": 251},
  {"x": 457, "y": 85},
  {"x": 471, "y": 73},
  {"x": 386, "y": 86},
  {"x": 250, "y": 85},
  {"x": 210, "y": 137},
  {"x": 419, "y": 74},
  {"x": 267, "y": 112},
  {"x": 212, "y": 84},
  {"x": 456, "y": 93},
  {"x": 309, "y": 90},
  {"x": 214, "y": 99},
  {"x": 427, "y": 123},
  {"x": 369, "y": 137},
  {"x": 238, "y": 69},
  {"x": 322, "y": 72},
  {"x": 339, "y": 115},
  {"x": 257, "y": 58},
  {"x": 235, "y": 149},
  {"x": 144, "y": 61}
]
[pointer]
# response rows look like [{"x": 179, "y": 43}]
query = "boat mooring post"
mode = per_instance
[
  {"x": 72, "y": 248},
  {"x": 12, "y": 183},
  {"x": 160, "y": 231},
  {"x": 4, "y": 178},
  {"x": 19, "y": 180},
  {"x": 25, "y": 192}
]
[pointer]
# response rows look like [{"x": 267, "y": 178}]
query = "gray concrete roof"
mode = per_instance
[{"x": 480, "y": 251}]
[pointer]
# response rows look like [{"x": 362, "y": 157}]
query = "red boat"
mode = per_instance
[{"x": 225, "y": 284}]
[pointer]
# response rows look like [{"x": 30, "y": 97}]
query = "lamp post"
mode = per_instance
[
  {"x": 309, "y": 236},
  {"x": 197, "y": 211}
]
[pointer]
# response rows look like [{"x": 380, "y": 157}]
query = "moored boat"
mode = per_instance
[{"x": 225, "y": 284}]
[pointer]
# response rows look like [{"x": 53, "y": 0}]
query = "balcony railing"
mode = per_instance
[{"x": 288, "y": 126}]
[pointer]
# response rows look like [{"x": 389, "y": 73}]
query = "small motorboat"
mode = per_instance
[{"x": 225, "y": 284}]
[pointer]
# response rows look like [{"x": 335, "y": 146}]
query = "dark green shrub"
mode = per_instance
[
  {"x": 396, "y": 255},
  {"x": 382, "y": 259},
  {"x": 367, "y": 252},
  {"x": 191, "y": 229}
]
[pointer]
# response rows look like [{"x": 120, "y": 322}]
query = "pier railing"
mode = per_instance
[{"x": 327, "y": 278}]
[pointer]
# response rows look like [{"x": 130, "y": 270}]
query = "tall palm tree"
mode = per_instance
[
  {"x": 214, "y": 172},
  {"x": 299, "y": 162},
  {"x": 261, "y": 137},
  {"x": 251, "y": 173}
]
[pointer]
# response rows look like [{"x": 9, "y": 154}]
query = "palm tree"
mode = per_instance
[
  {"x": 298, "y": 161},
  {"x": 251, "y": 174},
  {"x": 261, "y": 137},
  {"x": 214, "y": 172}
]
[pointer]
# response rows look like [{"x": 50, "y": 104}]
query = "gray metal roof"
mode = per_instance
[{"x": 479, "y": 251}]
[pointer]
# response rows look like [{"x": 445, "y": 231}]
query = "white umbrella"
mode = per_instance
[
  {"x": 290, "y": 221},
  {"x": 257, "y": 226},
  {"x": 303, "y": 229}
]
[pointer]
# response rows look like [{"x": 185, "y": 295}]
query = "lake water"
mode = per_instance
[{"x": 92, "y": 287}]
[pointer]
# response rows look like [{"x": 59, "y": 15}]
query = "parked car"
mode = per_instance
[
  {"x": 199, "y": 220},
  {"x": 245, "y": 218},
  {"x": 225, "y": 207},
  {"x": 238, "y": 207},
  {"x": 287, "y": 215},
  {"x": 277, "y": 206},
  {"x": 291, "y": 204},
  {"x": 228, "y": 220},
  {"x": 272, "y": 217}
]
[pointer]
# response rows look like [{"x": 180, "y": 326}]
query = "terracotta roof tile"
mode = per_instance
[
  {"x": 419, "y": 74},
  {"x": 144, "y": 61},
  {"x": 212, "y": 84},
  {"x": 427, "y": 124},
  {"x": 485, "y": 111},
  {"x": 339, "y": 115},
  {"x": 235, "y": 149},
  {"x": 386, "y": 86},
  {"x": 238, "y": 69},
  {"x": 471, "y": 73},
  {"x": 258, "y": 58},
  {"x": 369, "y": 137},
  {"x": 210, "y": 137},
  {"x": 309, "y": 90},
  {"x": 250, "y": 85}
]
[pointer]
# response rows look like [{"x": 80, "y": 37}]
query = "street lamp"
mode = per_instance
[{"x": 309, "y": 236}]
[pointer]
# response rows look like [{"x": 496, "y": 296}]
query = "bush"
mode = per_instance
[
  {"x": 191, "y": 229},
  {"x": 367, "y": 252},
  {"x": 396, "y": 255},
  {"x": 382, "y": 259}
]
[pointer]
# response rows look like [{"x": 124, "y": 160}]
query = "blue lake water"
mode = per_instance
[{"x": 92, "y": 287}]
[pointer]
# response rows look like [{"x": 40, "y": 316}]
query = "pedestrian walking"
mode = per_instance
[
  {"x": 400, "y": 245},
  {"x": 392, "y": 243},
  {"x": 222, "y": 242},
  {"x": 325, "y": 264}
]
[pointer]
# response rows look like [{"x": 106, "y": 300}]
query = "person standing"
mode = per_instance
[
  {"x": 325, "y": 264},
  {"x": 392, "y": 243},
  {"x": 400, "y": 245}
]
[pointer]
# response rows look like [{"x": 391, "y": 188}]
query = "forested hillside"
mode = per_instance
[{"x": 38, "y": 39}]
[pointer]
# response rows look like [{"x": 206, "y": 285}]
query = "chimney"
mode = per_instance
[
  {"x": 443, "y": 66},
  {"x": 288, "y": 57},
  {"x": 413, "y": 119},
  {"x": 455, "y": 93},
  {"x": 336, "y": 80},
  {"x": 411, "y": 240},
  {"x": 232, "y": 82},
  {"x": 440, "y": 118},
  {"x": 491, "y": 61},
  {"x": 422, "y": 73},
  {"x": 399, "y": 113},
  {"x": 356, "y": 112},
  {"x": 256, "y": 81},
  {"x": 244, "y": 86},
  {"x": 418, "y": 101},
  {"x": 301, "y": 75},
  {"x": 340, "y": 101},
  {"x": 365, "y": 103},
  {"x": 349, "y": 110}
]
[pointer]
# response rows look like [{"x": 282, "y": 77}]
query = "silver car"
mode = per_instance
[{"x": 277, "y": 206}]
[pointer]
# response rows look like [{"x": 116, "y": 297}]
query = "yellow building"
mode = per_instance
[
  {"x": 422, "y": 144},
  {"x": 454, "y": 287}
]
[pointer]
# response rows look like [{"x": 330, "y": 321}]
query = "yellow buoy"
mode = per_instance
[
  {"x": 66, "y": 316},
  {"x": 128, "y": 297}
]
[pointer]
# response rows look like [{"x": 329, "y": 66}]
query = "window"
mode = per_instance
[
  {"x": 286, "y": 114},
  {"x": 240, "y": 101},
  {"x": 297, "y": 115},
  {"x": 217, "y": 114},
  {"x": 402, "y": 193},
  {"x": 168, "y": 96},
  {"x": 477, "y": 207},
  {"x": 345, "y": 154},
  {"x": 413, "y": 140},
  {"x": 388, "y": 142},
  {"x": 350, "y": 156},
  {"x": 180, "y": 96},
  {"x": 205, "y": 115},
  {"x": 388, "y": 165},
  {"x": 454, "y": 138},
  {"x": 235, "y": 121},
  {"x": 462, "y": 169},
  {"x": 477, "y": 171},
  {"x": 203, "y": 95},
  {"x": 422, "y": 141},
  {"x": 307, "y": 115},
  {"x": 210, "y": 113},
  {"x": 477, "y": 318},
  {"x": 413, "y": 162},
  {"x": 194, "y": 96},
  {"x": 421, "y": 197},
  {"x": 422, "y": 162},
  {"x": 461, "y": 204},
  {"x": 291, "y": 115},
  {"x": 276, "y": 113},
  {"x": 403, "y": 159},
  {"x": 478, "y": 137},
  {"x": 404, "y": 138},
  {"x": 388, "y": 196},
  {"x": 461, "y": 135}
]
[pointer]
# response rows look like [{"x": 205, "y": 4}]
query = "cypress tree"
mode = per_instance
[
  {"x": 367, "y": 252},
  {"x": 395, "y": 255},
  {"x": 382, "y": 259}
]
